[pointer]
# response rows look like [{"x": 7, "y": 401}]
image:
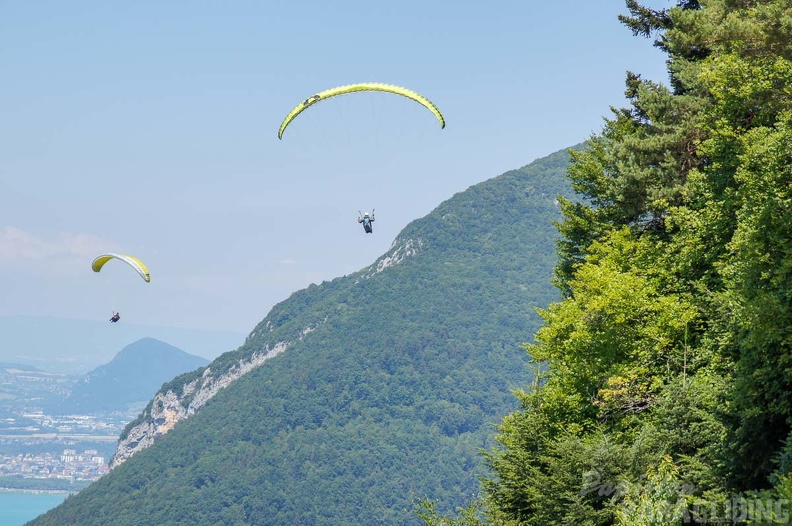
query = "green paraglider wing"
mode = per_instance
[
  {"x": 132, "y": 261},
  {"x": 353, "y": 88}
]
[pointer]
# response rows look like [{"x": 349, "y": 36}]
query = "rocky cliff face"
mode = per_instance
[
  {"x": 400, "y": 250},
  {"x": 168, "y": 407}
]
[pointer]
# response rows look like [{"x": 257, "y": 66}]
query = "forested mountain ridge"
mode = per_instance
[{"x": 353, "y": 398}]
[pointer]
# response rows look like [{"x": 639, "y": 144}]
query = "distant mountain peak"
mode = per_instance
[{"x": 133, "y": 375}]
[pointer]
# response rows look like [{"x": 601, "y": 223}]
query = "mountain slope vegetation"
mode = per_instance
[{"x": 389, "y": 385}]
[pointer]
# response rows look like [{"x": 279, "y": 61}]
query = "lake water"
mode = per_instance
[{"x": 18, "y": 507}]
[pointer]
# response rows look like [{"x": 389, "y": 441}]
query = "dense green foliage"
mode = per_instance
[
  {"x": 667, "y": 397},
  {"x": 133, "y": 375},
  {"x": 391, "y": 385}
]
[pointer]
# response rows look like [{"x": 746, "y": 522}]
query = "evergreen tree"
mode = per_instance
[{"x": 668, "y": 361}]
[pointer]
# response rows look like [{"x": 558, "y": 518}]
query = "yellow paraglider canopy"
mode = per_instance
[
  {"x": 363, "y": 86},
  {"x": 132, "y": 261}
]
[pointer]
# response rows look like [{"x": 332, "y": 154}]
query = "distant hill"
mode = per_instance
[
  {"x": 77, "y": 346},
  {"x": 134, "y": 375},
  {"x": 353, "y": 398}
]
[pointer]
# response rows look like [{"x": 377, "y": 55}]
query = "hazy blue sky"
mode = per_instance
[{"x": 150, "y": 128}]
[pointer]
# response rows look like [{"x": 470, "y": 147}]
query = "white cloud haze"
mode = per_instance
[{"x": 19, "y": 246}]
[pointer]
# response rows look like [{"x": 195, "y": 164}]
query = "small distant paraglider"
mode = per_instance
[
  {"x": 366, "y": 219},
  {"x": 132, "y": 261}
]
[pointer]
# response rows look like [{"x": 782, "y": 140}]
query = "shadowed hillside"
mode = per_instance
[{"x": 357, "y": 396}]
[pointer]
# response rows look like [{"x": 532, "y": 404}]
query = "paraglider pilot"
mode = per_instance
[
  {"x": 366, "y": 220},
  {"x": 116, "y": 317}
]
